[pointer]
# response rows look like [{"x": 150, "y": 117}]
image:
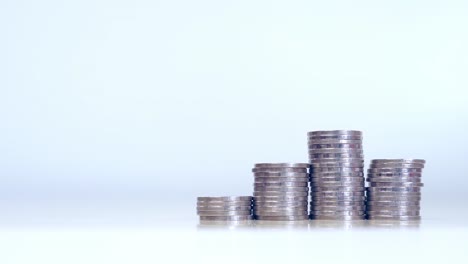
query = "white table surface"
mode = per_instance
[{"x": 145, "y": 234}]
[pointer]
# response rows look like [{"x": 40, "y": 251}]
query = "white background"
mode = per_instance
[{"x": 115, "y": 115}]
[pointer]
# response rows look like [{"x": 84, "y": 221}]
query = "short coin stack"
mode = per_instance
[
  {"x": 281, "y": 191},
  {"x": 225, "y": 208},
  {"x": 337, "y": 175},
  {"x": 394, "y": 191}
]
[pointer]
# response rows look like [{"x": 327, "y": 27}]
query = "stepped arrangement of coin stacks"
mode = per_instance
[
  {"x": 225, "y": 208},
  {"x": 394, "y": 191},
  {"x": 337, "y": 175},
  {"x": 281, "y": 191}
]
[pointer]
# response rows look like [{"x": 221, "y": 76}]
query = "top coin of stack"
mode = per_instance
[
  {"x": 281, "y": 191},
  {"x": 337, "y": 175},
  {"x": 394, "y": 191},
  {"x": 224, "y": 208}
]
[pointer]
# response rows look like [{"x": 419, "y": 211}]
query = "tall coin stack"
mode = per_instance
[
  {"x": 394, "y": 191},
  {"x": 337, "y": 175},
  {"x": 225, "y": 208},
  {"x": 281, "y": 191}
]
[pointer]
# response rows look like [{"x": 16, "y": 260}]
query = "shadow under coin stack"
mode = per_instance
[
  {"x": 337, "y": 175},
  {"x": 226, "y": 208},
  {"x": 394, "y": 191},
  {"x": 281, "y": 191}
]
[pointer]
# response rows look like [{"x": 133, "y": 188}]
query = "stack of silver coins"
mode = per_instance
[
  {"x": 337, "y": 175},
  {"x": 394, "y": 191},
  {"x": 225, "y": 208},
  {"x": 281, "y": 191}
]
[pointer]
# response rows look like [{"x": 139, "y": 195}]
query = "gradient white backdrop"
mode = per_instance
[{"x": 122, "y": 112}]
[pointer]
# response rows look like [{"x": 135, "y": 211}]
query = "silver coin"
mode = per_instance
[
  {"x": 281, "y": 174},
  {"x": 225, "y": 213},
  {"x": 389, "y": 213},
  {"x": 339, "y": 160},
  {"x": 224, "y": 204},
  {"x": 393, "y": 198},
  {"x": 282, "y": 189},
  {"x": 396, "y": 174},
  {"x": 388, "y": 202},
  {"x": 258, "y": 178},
  {"x": 393, "y": 208},
  {"x": 335, "y": 151},
  {"x": 339, "y": 174},
  {"x": 336, "y": 217},
  {"x": 398, "y": 160},
  {"x": 338, "y": 200},
  {"x": 338, "y": 208},
  {"x": 333, "y": 141},
  {"x": 283, "y": 192},
  {"x": 281, "y": 211},
  {"x": 332, "y": 198},
  {"x": 291, "y": 213},
  {"x": 282, "y": 165},
  {"x": 282, "y": 218},
  {"x": 303, "y": 213},
  {"x": 313, "y": 145},
  {"x": 295, "y": 184},
  {"x": 322, "y": 137},
  {"x": 324, "y": 183},
  {"x": 393, "y": 195},
  {"x": 339, "y": 185},
  {"x": 223, "y": 208},
  {"x": 282, "y": 170},
  {"x": 290, "y": 193},
  {"x": 393, "y": 189},
  {"x": 224, "y": 198},
  {"x": 337, "y": 193},
  {"x": 334, "y": 132},
  {"x": 394, "y": 184},
  {"x": 393, "y": 170},
  {"x": 331, "y": 213},
  {"x": 332, "y": 180},
  {"x": 337, "y": 189},
  {"x": 338, "y": 203},
  {"x": 279, "y": 199},
  {"x": 225, "y": 218},
  {"x": 276, "y": 207},
  {"x": 395, "y": 218},
  {"x": 327, "y": 183},
  {"x": 270, "y": 209},
  {"x": 336, "y": 196},
  {"x": 315, "y": 156},
  {"x": 336, "y": 164},
  {"x": 393, "y": 203},
  {"x": 397, "y": 165},
  {"x": 394, "y": 179},
  {"x": 282, "y": 204},
  {"x": 286, "y": 180},
  {"x": 341, "y": 171}
]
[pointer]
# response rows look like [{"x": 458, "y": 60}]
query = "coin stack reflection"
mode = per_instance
[
  {"x": 337, "y": 175},
  {"x": 394, "y": 191},
  {"x": 281, "y": 191},
  {"x": 225, "y": 208}
]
